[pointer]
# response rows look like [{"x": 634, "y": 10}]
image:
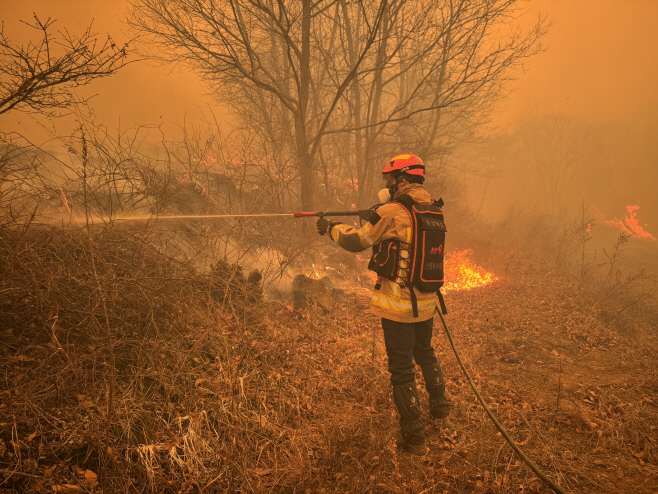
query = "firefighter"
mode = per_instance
[{"x": 407, "y": 314}]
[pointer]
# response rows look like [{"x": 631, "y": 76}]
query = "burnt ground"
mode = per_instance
[{"x": 300, "y": 402}]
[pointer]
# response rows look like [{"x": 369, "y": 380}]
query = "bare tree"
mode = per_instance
[
  {"x": 483, "y": 162},
  {"x": 553, "y": 145},
  {"x": 432, "y": 75},
  {"x": 336, "y": 85},
  {"x": 39, "y": 77},
  {"x": 439, "y": 67},
  {"x": 271, "y": 53}
]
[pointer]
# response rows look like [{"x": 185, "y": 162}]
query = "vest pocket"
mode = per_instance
[{"x": 385, "y": 260}]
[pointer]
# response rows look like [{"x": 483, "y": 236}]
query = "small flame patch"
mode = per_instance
[
  {"x": 630, "y": 225},
  {"x": 462, "y": 274},
  {"x": 314, "y": 274}
]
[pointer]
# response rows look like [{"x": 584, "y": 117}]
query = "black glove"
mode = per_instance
[{"x": 323, "y": 225}]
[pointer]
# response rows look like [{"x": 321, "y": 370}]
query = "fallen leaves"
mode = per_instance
[
  {"x": 639, "y": 455},
  {"x": 452, "y": 437},
  {"x": 67, "y": 489},
  {"x": 87, "y": 477},
  {"x": 112, "y": 453},
  {"x": 313, "y": 368},
  {"x": 167, "y": 439},
  {"x": 502, "y": 481},
  {"x": 90, "y": 479},
  {"x": 84, "y": 401},
  {"x": 588, "y": 419},
  {"x": 523, "y": 443}
]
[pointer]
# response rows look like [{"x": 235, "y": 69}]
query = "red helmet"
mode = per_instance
[{"x": 405, "y": 163}]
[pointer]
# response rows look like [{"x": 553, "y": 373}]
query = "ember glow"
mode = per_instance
[
  {"x": 314, "y": 273},
  {"x": 630, "y": 225},
  {"x": 462, "y": 274}
]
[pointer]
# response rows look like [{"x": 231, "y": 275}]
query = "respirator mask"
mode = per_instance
[
  {"x": 387, "y": 194},
  {"x": 384, "y": 196}
]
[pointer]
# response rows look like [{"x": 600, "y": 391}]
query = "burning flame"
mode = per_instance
[
  {"x": 460, "y": 272},
  {"x": 464, "y": 274},
  {"x": 630, "y": 225},
  {"x": 314, "y": 275}
]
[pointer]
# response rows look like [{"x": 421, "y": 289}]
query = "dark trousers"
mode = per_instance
[{"x": 406, "y": 342}]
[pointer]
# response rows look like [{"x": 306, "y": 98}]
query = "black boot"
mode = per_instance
[
  {"x": 436, "y": 388},
  {"x": 412, "y": 427}
]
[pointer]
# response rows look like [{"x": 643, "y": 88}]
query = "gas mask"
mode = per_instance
[{"x": 384, "y": 195}]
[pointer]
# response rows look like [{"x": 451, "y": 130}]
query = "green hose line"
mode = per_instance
[{"x": 517, "y": 450}]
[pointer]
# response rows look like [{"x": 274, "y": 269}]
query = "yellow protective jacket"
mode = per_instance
[{"x": 390, "y": 300}]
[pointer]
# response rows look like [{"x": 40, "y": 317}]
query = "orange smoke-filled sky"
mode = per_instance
[
  {"x": 601, "y": 65},
  {"x": 138, "y": 94}
]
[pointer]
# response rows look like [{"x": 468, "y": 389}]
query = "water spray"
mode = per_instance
[
  {"x": 197, "y": 216},
  {"x": 364, "y": 214}
]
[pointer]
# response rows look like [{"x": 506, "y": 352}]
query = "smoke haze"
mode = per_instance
[{"x": 599, "y": 69}]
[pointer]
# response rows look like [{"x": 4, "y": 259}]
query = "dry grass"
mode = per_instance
[
  {"x": 236, "y": 398},
  {"x": 129, "y": 365}
]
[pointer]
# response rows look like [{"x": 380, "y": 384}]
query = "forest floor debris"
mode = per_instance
[{"x": 299, "y": 401}]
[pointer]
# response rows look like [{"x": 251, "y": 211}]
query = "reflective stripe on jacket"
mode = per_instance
[{"x": 390, "y": 300}]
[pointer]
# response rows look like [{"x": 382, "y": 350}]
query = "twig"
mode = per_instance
[
  {"x": 110, "y": 337},
  {"x": 607, "y": 326},
  {"x": 559, "y": 392},
  {"x": 11, "y": 473}
]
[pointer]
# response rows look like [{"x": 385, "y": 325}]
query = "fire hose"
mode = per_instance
[
  {"x": 364, "y": 214},
  {"x": 556, "y": 488}
]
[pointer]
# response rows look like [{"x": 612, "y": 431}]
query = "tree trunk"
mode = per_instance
[
  {"x": 439, "y": 88},
  {"x": 304, "y": 159},
  {"x": 356, "y": 93},
  {"x": 366, "y": 182}
]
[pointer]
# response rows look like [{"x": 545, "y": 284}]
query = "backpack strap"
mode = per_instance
[
  {"x": 405, "y": 200},
  {"x": 414, "y": 300},
  {"x": 407, "y": 203}
]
